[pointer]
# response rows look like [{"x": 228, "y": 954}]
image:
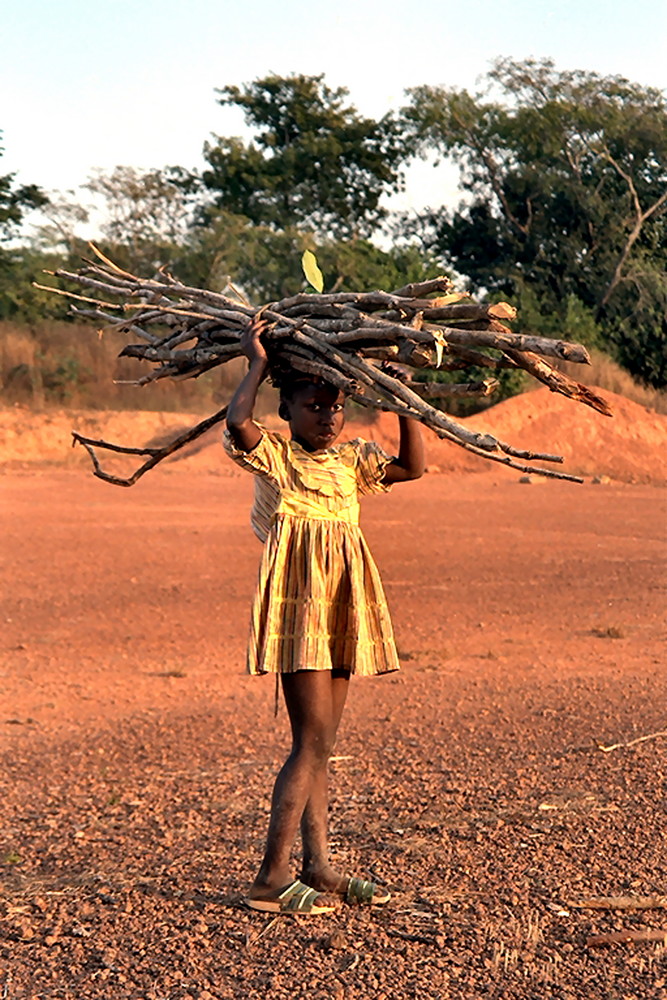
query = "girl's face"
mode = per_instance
[{"x": 316, "y": 416}]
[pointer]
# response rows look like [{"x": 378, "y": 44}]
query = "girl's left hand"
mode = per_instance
[{"x": 250, "y": 343}]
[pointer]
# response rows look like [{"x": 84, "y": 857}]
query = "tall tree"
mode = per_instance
[
  {"x": 566, "y": 182},
  {"x": 15, "y": 202},
  {"x": 148, "y": 213},
  {"x": 314, "y": 160}
]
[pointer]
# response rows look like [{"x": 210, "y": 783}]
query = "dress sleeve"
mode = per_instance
[
  {"x": 371, "y": 463},
  {"x": 265, "y": 459}
]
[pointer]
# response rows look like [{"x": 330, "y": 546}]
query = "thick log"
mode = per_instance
[
  {"x": 418, "y": 289},
  {"x": 432, "y": 310},
  {"x": 562, "y": 349},
  {"x": 558, "y": 381}
]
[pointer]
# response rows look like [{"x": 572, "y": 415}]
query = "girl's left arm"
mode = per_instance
[{"x": 410, "y": 461}]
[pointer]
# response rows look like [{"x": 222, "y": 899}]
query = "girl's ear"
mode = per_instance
[{"x": 283, "y": 411}]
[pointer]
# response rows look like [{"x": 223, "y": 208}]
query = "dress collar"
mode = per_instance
[{"x": 315, "y": 455}]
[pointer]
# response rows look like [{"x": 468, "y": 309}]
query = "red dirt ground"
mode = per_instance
[{"x": 137, "y": 758}]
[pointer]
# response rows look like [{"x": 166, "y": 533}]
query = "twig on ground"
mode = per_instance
[
  {"x": 620, "y": 903},
  {"x": 266, "y": 928},
  {"x": 631, "y": 743},
  {"x": 627, "y": 937}
]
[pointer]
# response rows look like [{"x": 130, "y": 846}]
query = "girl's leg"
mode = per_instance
[
  {"x": 309, "y": 699},
  {"x": 316, "y": 870}
]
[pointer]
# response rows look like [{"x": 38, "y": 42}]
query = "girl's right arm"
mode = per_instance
[{"x": 244, "y": 431}]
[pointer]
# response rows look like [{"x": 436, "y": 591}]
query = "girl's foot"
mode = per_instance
[
  {"x": 324, "y": 879},
  {"x": 352, "y": 890},
  {"x": 294, "y": 898}
]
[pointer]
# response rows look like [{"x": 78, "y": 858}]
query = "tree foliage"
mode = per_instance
[
  {"x": 314, "y": 160},
  {"x": 566, "y": 182},
  {"x": 15, "y": 202},
  {"x": 564, "y": 177},
  {"x": 149, "y": 214},
  {"x": 266, "y": 263}
]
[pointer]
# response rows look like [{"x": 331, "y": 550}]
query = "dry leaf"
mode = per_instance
[
  {"x": 440, "y": 344},
  {"x": 447, "y": 300},
  {"x": 311, "y": 270}
]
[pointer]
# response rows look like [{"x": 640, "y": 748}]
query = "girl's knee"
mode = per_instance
[{"x": 316, "y": 743}]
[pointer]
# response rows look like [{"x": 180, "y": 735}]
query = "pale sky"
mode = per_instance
[{"x": 132, "y": 82}]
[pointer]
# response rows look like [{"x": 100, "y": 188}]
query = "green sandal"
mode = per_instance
[
  {"x": 367, "y": 893},
  {"x": 295, "y": 898}
]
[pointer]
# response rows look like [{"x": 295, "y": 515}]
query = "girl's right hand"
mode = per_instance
[{"x": 250, "y": 343}]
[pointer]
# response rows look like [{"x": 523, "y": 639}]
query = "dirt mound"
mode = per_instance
[
  {"x": 629, "y": 447},
  {"x": 28, "y": 438}
]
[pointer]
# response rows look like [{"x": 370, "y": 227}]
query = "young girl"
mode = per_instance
[{"x": 319, "y": 613}]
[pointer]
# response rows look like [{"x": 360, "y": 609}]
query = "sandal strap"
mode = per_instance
[
  {"x": 360, "y": 891},
  {"x": 298, "y": 898}
]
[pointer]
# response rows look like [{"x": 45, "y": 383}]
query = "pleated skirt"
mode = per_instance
[{"x": 319, "y": 603}]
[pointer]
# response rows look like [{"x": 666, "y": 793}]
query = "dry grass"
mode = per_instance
[
  {"x": 605, "y": 373},
  {"x": 56, "y": 363}
]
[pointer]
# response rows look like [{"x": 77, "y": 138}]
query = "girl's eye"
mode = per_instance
[{"x": 316, "y": 407}]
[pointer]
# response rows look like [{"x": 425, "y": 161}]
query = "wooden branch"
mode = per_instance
[
  {"x": 113, "y": 323},
  {"x": 467, "y": 311},
  {"x": 72, "y": 295},
  {"x": 443, "y": 390},
  {"x": 620, "y": 903},
  {"x": 435, "y": 419},
  {"x": 627, "y": 937},
  {"x": 417, "y": 289},
  {"x": 558, "y": 381},
  {"x": 379, "y": 330},
  {"x": 519, "y": 342},
  {"x": 195, "y": 356},
  {"x": 528, "y": 469},
  {"x": 156, "y": 454},
  {"x": 455, "y": 353},
  {"x": 334, "y": 335}
]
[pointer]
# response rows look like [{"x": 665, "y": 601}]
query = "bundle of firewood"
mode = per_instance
[{"x": 369, "y": 344}]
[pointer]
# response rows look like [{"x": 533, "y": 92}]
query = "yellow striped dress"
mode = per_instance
[{"x": 319, "y": 603}]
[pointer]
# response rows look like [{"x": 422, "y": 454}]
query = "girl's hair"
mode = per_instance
[{"x": 290, "y": 381}]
